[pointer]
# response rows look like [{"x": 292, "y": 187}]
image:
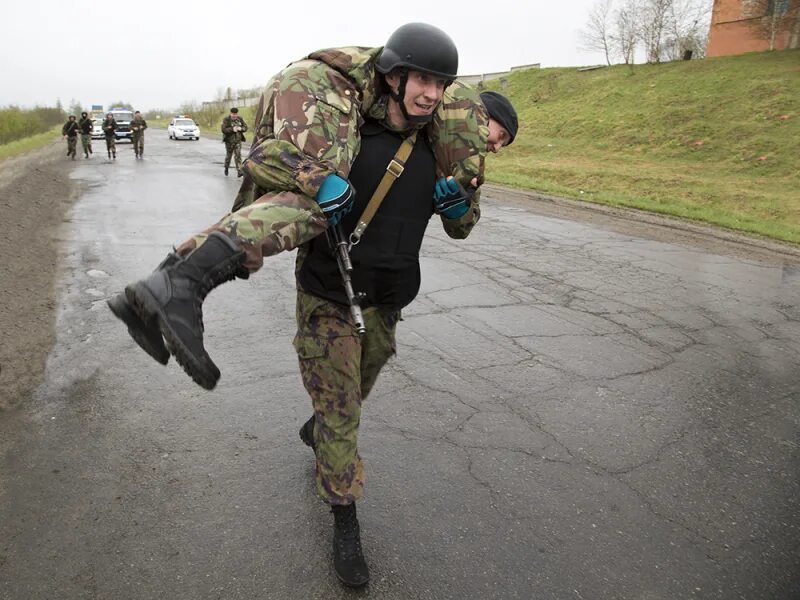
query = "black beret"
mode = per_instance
[{"x": 501, "y": 110}]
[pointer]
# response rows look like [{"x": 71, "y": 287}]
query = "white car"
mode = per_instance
[
  {"x": 183, "y": 128},
  {"x": 97, "y": 129}
]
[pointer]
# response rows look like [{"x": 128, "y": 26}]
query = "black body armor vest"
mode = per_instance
[{"x": 386, "y": 261}]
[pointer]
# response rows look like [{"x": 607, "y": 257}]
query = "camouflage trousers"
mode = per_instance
[
  {"x": 233, "y": 149},
  {"x": 339, "y": 369},
  {"x": 111, "y": 144},
  {"x": 138, "y": 143},
  {"x": 273, "y": 223},
  {"x": 86, "y": 143},
  {"x": 72, "y": 145}
]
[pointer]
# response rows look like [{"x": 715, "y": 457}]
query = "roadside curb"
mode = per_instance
[{"x": 649, "y": 218}]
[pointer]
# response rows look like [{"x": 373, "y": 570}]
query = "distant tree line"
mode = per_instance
[
  {"x": 663, "y": 29},
  {"x": 17, "y": 123}
]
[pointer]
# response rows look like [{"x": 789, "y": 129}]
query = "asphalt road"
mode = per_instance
[{"x": 576, "y": 411}]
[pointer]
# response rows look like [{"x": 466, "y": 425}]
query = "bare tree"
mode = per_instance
[
  {"x": 771, "y": 18},
  {"x": 626, "y": 35},
  {"x": 596, "y": 35},
  {"x": 653, "y": 23},
  {"x": 688, "y": 29}
]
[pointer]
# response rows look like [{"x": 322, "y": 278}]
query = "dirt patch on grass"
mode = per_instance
[{"x": 35, "y": 195}]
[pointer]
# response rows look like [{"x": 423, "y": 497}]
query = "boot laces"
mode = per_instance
[
  {"x": 205, "y": 284},
  {"x": 348, "y": 540}
]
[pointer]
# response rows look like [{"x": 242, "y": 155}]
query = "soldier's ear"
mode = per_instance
[{"x": 392, "y": 79}]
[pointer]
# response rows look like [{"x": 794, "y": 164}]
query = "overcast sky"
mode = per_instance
[{"x": 158, "y": 54}]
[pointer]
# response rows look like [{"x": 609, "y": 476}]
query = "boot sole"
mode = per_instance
[
  {"x": 137, "y": 330},
  {"x": 202, "y": 373},
  {"x": 352, "y": 584}
]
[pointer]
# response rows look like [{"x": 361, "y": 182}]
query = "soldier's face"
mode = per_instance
[
  {"x": 498, "y": 136},
  {"x": 423, "y": 92}
]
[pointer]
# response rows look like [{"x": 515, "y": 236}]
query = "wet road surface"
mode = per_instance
[{"x": 574, "y": 412}]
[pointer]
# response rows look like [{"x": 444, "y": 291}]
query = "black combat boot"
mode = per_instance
[
  {"x": 114, "y": 154},
  {"x": 86, "y": 154},
  {"x": 307, "y": 434},
  {"x": 348, "y": 558},
  {"x": 226, "y": 170},
  {"x": 145, "y": 333},
  {"x": 109, "y": 154},
  {"x": 175, "y": 296}
]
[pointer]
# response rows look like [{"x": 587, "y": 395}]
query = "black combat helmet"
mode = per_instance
[{"x": 419, "y": 47}]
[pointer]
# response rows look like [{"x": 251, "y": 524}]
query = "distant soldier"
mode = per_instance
[
  {"x": 109, "y": 129},
  {"x": 233, "y": 128},
  {"x": 85, "y": 125},
  {"x": 138, "y": 125},
  {"x": 70, "y": 131}
]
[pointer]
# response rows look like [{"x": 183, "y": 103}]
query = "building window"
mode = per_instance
[{"x": 777, "y": 7}]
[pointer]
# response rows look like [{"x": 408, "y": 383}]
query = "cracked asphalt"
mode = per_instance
[{"x": 580, "y": 408}]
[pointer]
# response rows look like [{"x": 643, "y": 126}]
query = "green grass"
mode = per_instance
[
  {"x": 681, "y": 138},
  {"x": 34, "y": 142}
]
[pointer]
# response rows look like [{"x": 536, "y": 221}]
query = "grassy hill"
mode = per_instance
[{"x": 716, "y": 140}]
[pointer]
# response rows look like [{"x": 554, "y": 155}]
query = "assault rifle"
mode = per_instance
[{"x": 341, "y": 249}]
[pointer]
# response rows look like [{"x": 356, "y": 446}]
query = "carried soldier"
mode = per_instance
[{"x": 233, "y": 128}]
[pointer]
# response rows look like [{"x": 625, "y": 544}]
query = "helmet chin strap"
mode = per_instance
[{"x": 400, "y": 96}]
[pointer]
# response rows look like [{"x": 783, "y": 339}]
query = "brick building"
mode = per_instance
[{"x": 739, "y": 26}]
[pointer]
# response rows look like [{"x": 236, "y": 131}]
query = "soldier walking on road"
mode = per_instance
[
  {"x": 383, "y": 112},
  {"x": 109, "y": 129},
  {"x": 233, "y": 128},
  {"x": 70, "y": 131},
  {"x": 138, "y": 125},
  {"x": 85, "y": 125}
]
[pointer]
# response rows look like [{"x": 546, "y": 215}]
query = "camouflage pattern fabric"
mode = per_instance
[
  {"x": 308, "y": 121},
  {"x": 86, "y": 143},
  {"x": 233, "y": 149},
  {"x": 339, "y": 370},
  {"x": 109, "y": 127},
  {"x": 70, "y": 129},
  {"x": 228, "y": 133},
  {"x": 271, "y": 224},
  {"x": 138, "y": 125},
  {"x": 72, "y": 145}
]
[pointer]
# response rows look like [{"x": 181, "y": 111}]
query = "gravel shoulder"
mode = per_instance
[{"x": 36, "y": 194}]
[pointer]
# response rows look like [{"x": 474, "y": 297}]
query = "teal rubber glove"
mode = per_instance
[
  {"x": 335, "y": 197},
  {"x": 450, "y": 198}
]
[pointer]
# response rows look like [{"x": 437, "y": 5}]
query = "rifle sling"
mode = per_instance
[{"x": 393, "y": 171}]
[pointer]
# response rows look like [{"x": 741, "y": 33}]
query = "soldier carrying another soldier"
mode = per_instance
[
  {"x": 109, "y": 129},
  {"x": 70, "y": 131},
  {"x": 328, "y": 125},
  {"x": 138, "y": 125},
  {"x": 233, "y": 128}
]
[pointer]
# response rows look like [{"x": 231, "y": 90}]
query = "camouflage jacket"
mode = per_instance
[
  {"x": 138, "y": 125},
  {"x": 308, "y": 122},
  {"x": 228, "y": 134},
  {"x": 70, "y": 129},
  {"x": 109, "y": 127},
  {"x": 85, "y": 124}
]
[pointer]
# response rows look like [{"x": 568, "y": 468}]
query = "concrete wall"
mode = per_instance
[
  {"x": 230, "y": 102},
  {"x": 481, "y": 77}
]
